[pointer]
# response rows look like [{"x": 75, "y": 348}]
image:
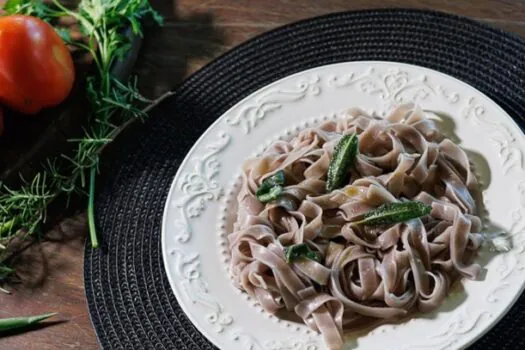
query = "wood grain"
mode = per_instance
[{"x": 195, "y": 32}]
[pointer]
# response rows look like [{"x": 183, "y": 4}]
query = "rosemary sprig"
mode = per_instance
[{"x": 114, "y": 104}]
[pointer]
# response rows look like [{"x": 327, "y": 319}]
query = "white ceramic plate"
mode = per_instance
[{"x": 196, "y": 218}]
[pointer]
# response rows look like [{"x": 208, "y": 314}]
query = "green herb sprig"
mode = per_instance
[
  {"x": 393, "y": 213},
  {"x": 342, "y": 160},
  {"x": 32, "y": 8},
  {"x": 114, "y": 104}
]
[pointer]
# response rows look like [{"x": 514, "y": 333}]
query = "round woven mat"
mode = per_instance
[{"x": 130, "y": 300}]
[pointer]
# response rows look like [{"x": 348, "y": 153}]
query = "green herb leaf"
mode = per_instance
[
  {"x": 21, "y": 322},
  {"x": 5, "y": 272},
  {"x": 7, "y": 227},
  {"x": 342, "y": 160},
  {"x": 392, "y": 213},
  {"x": 271, "y": 187},
  {"x": 30, "y": 8},
  {"x": 269, "y": 195},
  {"x": 276, "y": 179},
  {"x": 300, "y": 251},
  {"x": 12, "y": 6}
]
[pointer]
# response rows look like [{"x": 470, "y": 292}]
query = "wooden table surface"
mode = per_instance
[{"x": 195, "y": 32}]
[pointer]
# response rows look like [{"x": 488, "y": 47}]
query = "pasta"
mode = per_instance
[{"x": 356, "y": 274}]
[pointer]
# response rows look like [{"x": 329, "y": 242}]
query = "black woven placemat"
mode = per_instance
[{"x": 129, "y": 297}]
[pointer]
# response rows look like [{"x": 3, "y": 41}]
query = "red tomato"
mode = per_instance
[{"x": 36, "y": 68}]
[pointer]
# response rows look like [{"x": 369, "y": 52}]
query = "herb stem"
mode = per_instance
[
  {"x": 21, "y": 322},
  {"x": 91, "y": 207},
  {"x": 118, "y": 130},
  {"x": 63, "y": 8}
]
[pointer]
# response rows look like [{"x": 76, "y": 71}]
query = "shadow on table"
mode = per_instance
[
  {"x": 53, "y": 253},
  {"x": 171, "y": 52}
]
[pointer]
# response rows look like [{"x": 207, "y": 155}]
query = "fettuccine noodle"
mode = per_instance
[{"x": 366, "y": 273}]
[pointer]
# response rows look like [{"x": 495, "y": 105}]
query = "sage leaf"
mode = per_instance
[
  {"x": 342, "y": 160},
  {"x": 271, "y": 188},
  {"x": 300, "y": 251},
  {"x": 393, "y": 213},
  {"x": 272, "y": 194}
]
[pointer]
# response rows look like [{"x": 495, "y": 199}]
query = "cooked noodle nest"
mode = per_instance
[{"x": 366, "y": 273}]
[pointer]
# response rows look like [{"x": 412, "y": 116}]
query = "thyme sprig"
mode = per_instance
[{"x": 114, "y": 104}]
